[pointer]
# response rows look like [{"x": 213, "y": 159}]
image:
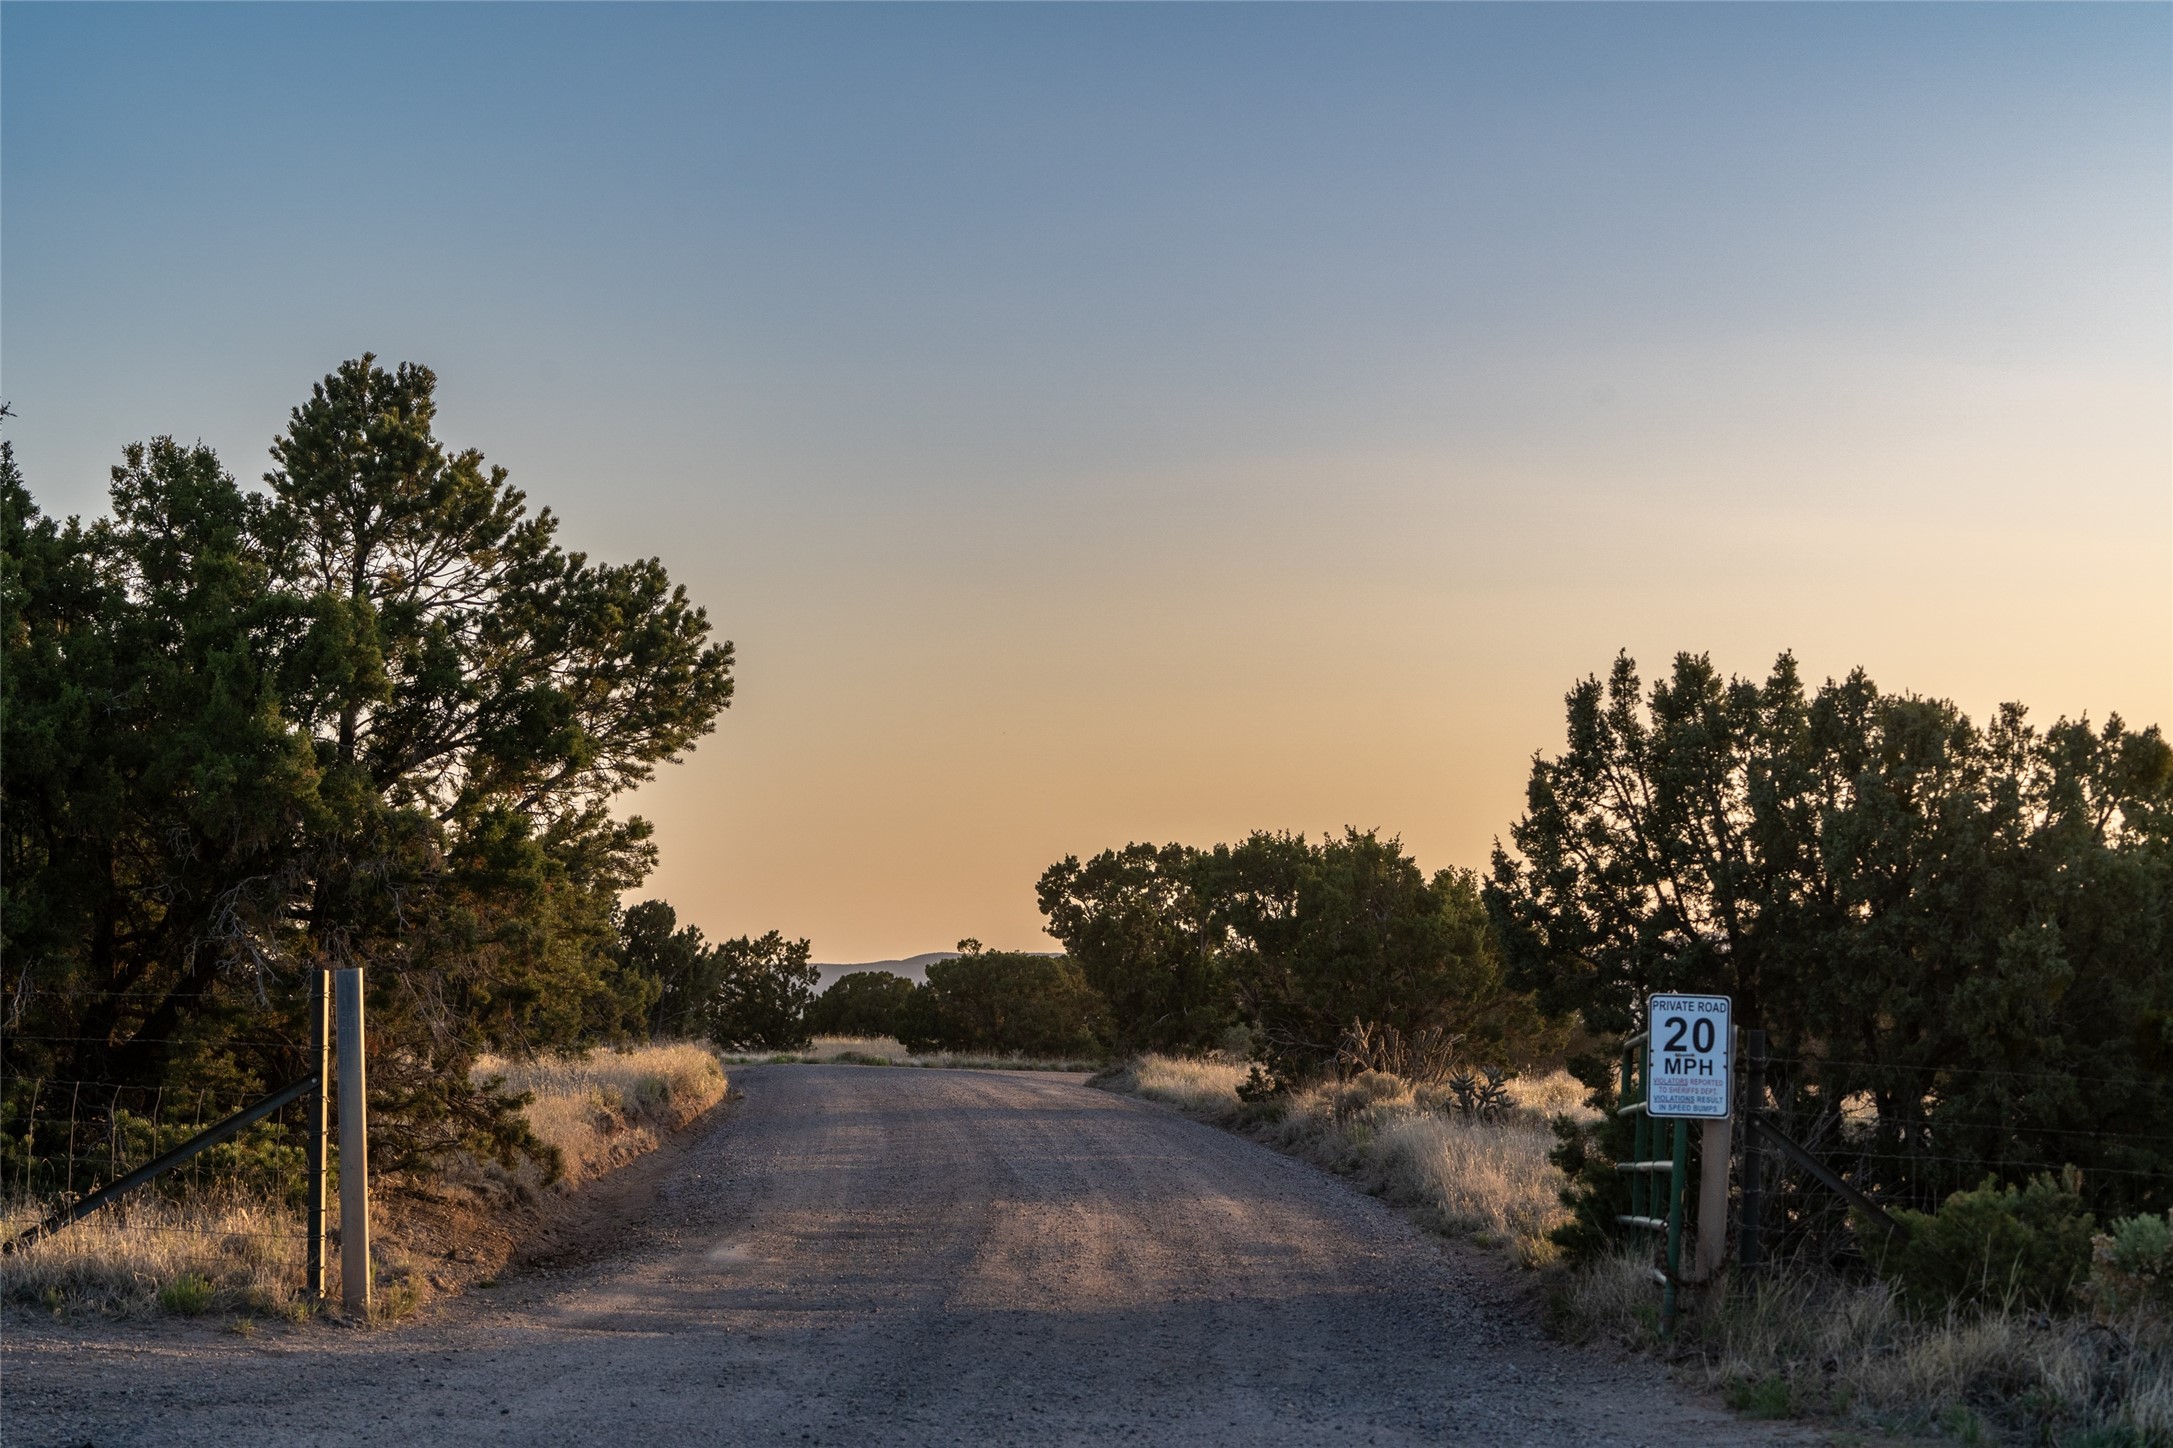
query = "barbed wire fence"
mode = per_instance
[
  {"x": 228, "y": 1162},
  {"x": 1928, "y": 1139},
  {"x": 69, "y": 1138}
]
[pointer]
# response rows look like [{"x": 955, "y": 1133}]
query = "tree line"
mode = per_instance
[
  {"x": 375, "y": 714},
  {"x": 1274, "y": 947},
  {"x": 1957, "y": 938}
]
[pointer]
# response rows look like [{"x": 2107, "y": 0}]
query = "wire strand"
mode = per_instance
[
  {"x": 1932, "y": 1121},
  {"x": 1967, "y": 1071},
  {"x": 114, "y": 1226},
  {"x": 220, "y": 1041},
  {"x": 1981, "y": 1163}
]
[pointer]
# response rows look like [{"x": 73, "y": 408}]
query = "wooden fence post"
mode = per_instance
[
  {"x": 354, "y": 1149},
  {"x": 1712, "y": 1250}
]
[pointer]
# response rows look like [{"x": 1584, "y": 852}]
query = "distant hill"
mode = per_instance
[{"x": 913, "y": 967}]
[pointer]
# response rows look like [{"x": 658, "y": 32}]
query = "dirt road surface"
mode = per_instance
[{"x": 852, "y": 1255}]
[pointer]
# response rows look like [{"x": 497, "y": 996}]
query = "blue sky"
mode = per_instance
[{"x": 1110, "y": 422}]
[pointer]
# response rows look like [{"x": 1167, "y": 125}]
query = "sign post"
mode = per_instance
[
  {"x": 1689, "y": 1062},
  {"x": 1678, "y": 1070}
]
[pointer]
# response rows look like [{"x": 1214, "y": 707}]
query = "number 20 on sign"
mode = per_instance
[{"x": 1687, "y": 1056}]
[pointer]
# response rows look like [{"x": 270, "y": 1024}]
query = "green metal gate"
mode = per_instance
[{"x": 1656, "y": 1205}]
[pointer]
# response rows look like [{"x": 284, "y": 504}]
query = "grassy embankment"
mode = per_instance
[
  {"x": 886, "y": 1051},
  {"x": 220, "y": 1252},
  {"x": 1797, "y": 1343},
  {"x": 602, "y": 1110}
]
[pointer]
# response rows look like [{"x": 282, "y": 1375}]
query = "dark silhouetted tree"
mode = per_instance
[
  {"x": 1947, "y": 922},
  {"x": 763, "y": 989},
  {"x": 861, "y": 1003}
]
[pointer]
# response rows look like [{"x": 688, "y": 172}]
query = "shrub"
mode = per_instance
[
  {"x": 2132, "y": 1265},
  {"x": 1819, "y": 1344},
  {"x": 1766, "y": 1397},
  {"x": 1994, "y": 1247}
]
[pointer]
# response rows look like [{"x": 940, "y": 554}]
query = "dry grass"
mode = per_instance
[
  {"x": 603, "y": 1109},
  {"x": 888, "y": 1051},
  {"x": 1208, "y": 1087},
  {"x": 1555, "y": 1094},
  {"x": 1808, "y": 1344},
  {"x": 149, "y": 1255},
  {"x": 1488, "y": 1181},
  {"x": 1491, "y": 1181}
]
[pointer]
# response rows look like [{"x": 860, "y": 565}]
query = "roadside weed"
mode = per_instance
[{"x": 186, "y": 1295}]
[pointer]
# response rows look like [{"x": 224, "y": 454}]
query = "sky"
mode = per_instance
[{"x": 1127, "y": 422}]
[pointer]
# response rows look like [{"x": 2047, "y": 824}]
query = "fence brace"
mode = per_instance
[{"x": 1828, "y": 1178}]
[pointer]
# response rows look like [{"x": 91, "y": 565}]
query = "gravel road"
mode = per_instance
[{"x": 852, "y": 1255}]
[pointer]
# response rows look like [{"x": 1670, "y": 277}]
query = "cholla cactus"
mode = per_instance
[
  {"x": 1423, "y": 1058},
  {"x": 1481, "y": 1100}
]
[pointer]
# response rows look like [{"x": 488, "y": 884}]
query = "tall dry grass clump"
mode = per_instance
[
  {"x": 601, "y": 1110},
  {"x": 1484, "y": 1178},
  {"x": 1491, "y": 1181},
  {"x": 1208, "y": 1086},
  {"x": 149, "y": 1255}
]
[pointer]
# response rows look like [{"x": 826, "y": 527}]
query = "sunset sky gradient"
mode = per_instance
[{"x": 1156, "y": 422}]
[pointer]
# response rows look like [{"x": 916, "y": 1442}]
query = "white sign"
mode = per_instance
[{"x": 1686, "y": 1056}]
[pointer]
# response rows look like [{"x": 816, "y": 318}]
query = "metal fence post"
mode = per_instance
[
  {"x": 30, "y": 1134},
  {"x": 1748, "y": 1247},
  {"x": 320, "y": 1125},
  {"x": 319, "y": 1128},
  {"x": 73, "y": 1097},
  {"x": 354, "y": 1148}
]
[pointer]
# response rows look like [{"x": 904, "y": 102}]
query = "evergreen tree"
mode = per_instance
[
  {"x": 1951, "y": 924},
  {"x": 764, "y": 986},
  {"x": 372, "y": 717}
]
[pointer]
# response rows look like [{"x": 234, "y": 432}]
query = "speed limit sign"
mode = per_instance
[{"x": 1686, "y": 1060}]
